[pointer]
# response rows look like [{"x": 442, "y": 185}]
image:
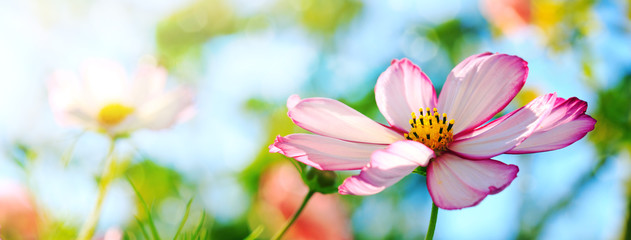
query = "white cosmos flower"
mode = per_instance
[{"x": 104, "y": 98}]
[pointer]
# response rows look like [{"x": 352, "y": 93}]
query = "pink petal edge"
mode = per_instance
[
  {"x": 566, "y": 124},
  {"x": 292, "y": 101},
  {"x": 324, "y": 153},
  {"x": 332, "y": 118},
  {"x": 387, "y": 167},
  {"x": 455, "y": 183},
  {"x": 504, "y": 133}
]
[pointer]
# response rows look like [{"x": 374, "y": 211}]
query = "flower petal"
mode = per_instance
[
  {"x": 292, "y": 101},
  {"x": 504, "y": 133},
  {"x": 324, "y": 153},
  {"x": 387, "y": 167},
  {"x": 480, "y": 87},
  {"x": 566, "y": 124},
  {"x": 165, "y": 110},
  {"x": 106, "y": 81},
  {"x": 402, "y": 89},
  {"x": 67, "y": 100},
  {"x": 148, "y": 82},
  {"x": 456, "y": 183},
  {"x": 334, "y": 119}
]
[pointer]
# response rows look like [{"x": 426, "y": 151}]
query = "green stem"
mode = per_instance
[
  {"x": 87, "y": 230},
  {"x": 432, "y": 223},
  {"x": 293, "y": 218}
]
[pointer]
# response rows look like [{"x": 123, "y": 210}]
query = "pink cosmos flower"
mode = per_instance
[
  {"x": 448, "y": 135},
  {"x": 102, "y": 98}
]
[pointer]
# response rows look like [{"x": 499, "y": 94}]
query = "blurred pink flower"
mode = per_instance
[
  {"x": 18, "y": 216},
  {"x": 282, "y": 191},
  {"x": 458, "y": 152},
  {"x": 104, "y": 98},
  {"x": 112, "y": 234},
  {"x": 507, "y": 15}
]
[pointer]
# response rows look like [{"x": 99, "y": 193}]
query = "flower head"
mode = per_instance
[
  {"x": 104, "y": 98},
  {"x": 448, "y": 135}
]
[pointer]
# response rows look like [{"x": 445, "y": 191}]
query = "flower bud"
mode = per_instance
[{"x": 320, "y": 181}]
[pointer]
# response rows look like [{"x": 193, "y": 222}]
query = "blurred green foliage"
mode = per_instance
[
  {"x": 184, "y": 32},
  {"x": 154, "y": 182},
  {"x": 180, "y": 36},
  {"x": 613, "y": 113},
  {"x": 277, "y": 123},
  {"x": 325, "y": 17},
  {"x": 613, "y": 135},
  {"x": 22, "y": 154},
  {"x": 564, "y": 22},
  {"x": 57, "y": 230},
  {"x": 458, "y": 39}
]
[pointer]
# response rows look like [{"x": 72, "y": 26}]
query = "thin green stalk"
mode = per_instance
[
  {"x": 293, "y": 218},
  {"x": 255, "y": 234},
  {"x": 67, "y": 156},
  {"x": 188, "y": 209},
  {"x": 200, "y": 225},
  {"x": 87, "y": 230},
  {"x": 144, "y": 232},
  {"x": 432, "y": 223}
]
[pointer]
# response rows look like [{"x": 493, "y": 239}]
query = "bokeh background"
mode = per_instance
[{"x": 245, "y": 57}]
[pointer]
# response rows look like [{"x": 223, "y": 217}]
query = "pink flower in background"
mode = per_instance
[
  {"x": 449, "y": 135},
  {"x": 112, "y": 234},
  {"x": 104, "y": 98},
  {"x": 507, "y": 15},
  {"x": 18, "y": 215},
  {"x": 281, "y": 193}
]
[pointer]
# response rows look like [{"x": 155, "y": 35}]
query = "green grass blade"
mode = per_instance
[
  {"x": 203, "y": 235},
  {"x": 66, "y": 157},
  {"x": 152, "y": 226},
  {"x": 255, "y": 234},
  {"x": 142, "y": 228},
  {"x": 200, "y": 225},
  {"x": 188, "y": 209}
]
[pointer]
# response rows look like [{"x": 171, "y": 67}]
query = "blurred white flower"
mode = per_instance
[{"x": 104, "y": 98}]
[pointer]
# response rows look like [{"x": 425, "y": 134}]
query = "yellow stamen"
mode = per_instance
[
  {"x": 114, "y": 113},
  {"x": 429, "y": 130}
]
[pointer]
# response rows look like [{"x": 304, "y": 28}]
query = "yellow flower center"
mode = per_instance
[
  {"x": 114, "y": 113},
  {"x": 431, "y": 130}
]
